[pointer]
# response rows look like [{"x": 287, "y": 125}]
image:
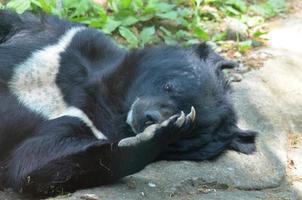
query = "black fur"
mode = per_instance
[{"x": 44, "y": 156}]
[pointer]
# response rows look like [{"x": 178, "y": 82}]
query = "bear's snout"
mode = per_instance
[{"x": 147, "y": 111}]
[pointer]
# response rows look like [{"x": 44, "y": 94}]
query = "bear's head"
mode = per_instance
[{"x": 174, "y": 79}]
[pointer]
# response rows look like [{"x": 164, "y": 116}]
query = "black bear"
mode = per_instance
[{"x": 79, "y": 111}]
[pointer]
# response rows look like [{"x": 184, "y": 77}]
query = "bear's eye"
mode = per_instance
[{"x": 168, "y": 87}]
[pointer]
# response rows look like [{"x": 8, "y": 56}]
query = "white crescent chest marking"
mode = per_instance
[
  {"x": 75, "y": 112},
  {"x": 34, "y": 83}
]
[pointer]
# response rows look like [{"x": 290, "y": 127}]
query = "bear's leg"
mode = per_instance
[
  {"x": 64, "y": 157},
  {"x": 46, "y": 157}
]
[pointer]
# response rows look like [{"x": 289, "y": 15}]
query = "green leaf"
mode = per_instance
[
  {"x": 82, "y": 8},
  {"x": 138, "y": 3},
  {"x": 165, "y": 31},
  {"x": 20, "y": 6},
  {"x": 113, "y": 5},
  {"x": 67, "y": 4},
  {"x": 147, "y": 34},
  {"x": 145, "y": 17},
  {"x": 124, "y": 4},
  {"x": 129, "y": 36},
  {"x": 219, "y": 37},
  {"x": 96, "y": 22},
  {"x": 201, "y": 34},
  {"x": 169, "y": 37},
  {"x": 172, "y": 15},
  {"x": 110, "y": 25},
  {"x": 232, "y": 10},
  {"x": 259, "y": 33},
  {"x": 183, "y": 22},
  {"x": 117, "y": 5},
  {"x": 160, "y": 6},
  {"x": 193, "y": 41},
  {"x": 102, "y": 14},
  {"x": 269, "y": 8},
  {"x": 184, "y": 12},
  {"x": 128, "y": 21},
  {"x": 170, "y": 41},
  {"x": 238, "y": 5},
  {"x": 122, "y": 14},
  {"x": 46, "y": 6},
  {"x": 181, "y": 34},
  {"x": 245, "y": 46}
]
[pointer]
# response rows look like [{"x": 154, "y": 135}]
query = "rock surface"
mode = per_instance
[{"x": 268, "y": 100}]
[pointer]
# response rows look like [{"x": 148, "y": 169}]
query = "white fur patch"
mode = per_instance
[
  {"x": 75, "y": 112},
  {"x": 34, "y": 84},
  {"x": 130, "y": 116}
]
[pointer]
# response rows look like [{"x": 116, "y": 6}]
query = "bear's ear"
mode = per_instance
[
  {"x": 205, "y": 52},
  {"x": 244, "y": 141},
  {"x": 9, "y": 21},
  {"x": 225, "y": 64}
]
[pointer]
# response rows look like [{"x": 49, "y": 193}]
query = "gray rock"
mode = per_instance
[
  {"x": 236, "y": 30},
  {"x": 9, "y": 195},
  {"x": 290, "y": 50},
  {"x": 297, "y": 185}
]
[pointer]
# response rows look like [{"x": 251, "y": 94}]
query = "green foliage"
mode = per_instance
[
  {"x": 136, "y": 23},
  {"x": 129, "y": 36},
  {"x": 146, "y": 35},
  {"x": 19, "y": 5},
  {"x": 269, "y": 8}
]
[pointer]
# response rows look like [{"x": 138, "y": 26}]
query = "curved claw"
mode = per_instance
[
  {"x": 181, "y": 119},
  {"x": 192, "y": 114}
]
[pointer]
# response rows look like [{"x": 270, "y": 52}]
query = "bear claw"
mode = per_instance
[
  {"x": 192, "y": 114},
  {"x": 181, "y": 119}
]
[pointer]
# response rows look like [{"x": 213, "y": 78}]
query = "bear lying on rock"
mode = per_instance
[{"x": 78, "y": 111}]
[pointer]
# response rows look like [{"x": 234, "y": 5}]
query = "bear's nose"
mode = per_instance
[{"x": 152, "y": 117}]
